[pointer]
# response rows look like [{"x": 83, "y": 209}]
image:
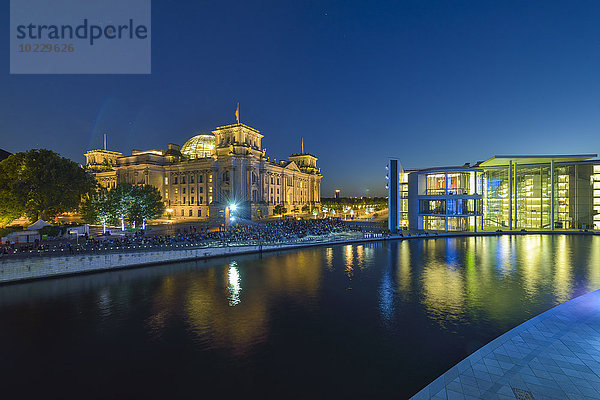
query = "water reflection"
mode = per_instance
[
  {"x": 329, "y": 258},
  {"x": 257, "y": 320},
  {"x": 349, "y": 260},
  {"x": 233, "y": 279},
  {"x": 443, "y": 284}
]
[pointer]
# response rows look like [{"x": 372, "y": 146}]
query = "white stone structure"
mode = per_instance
[{"x": 201, "y": 180}]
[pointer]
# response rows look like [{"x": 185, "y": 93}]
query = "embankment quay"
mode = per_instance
[{"x": 30, "y": 265}]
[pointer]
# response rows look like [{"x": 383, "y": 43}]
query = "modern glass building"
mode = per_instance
[{"x": 504, "y": 192}]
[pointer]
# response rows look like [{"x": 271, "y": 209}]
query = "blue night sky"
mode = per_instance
[{"x": 430, "y": 82}]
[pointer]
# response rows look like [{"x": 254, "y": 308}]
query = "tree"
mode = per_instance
[
  {"x": 124, "y": 202},
  {"x": 315, "y": 212},
  {"x": 41, "y": 184},
  {"x": 97, "y": 208},
  {"x": 279, "y": 209},
  {"x": 146, "y": 204},
  {"x": 120, "y": 199}
]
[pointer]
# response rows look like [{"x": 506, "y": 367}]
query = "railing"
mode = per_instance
[{"x": 96, "y": 249}]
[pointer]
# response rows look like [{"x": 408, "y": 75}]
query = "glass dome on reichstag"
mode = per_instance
[{"x": 200, "y": 146}]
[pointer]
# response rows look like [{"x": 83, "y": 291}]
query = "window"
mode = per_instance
[
  {"x": 191, "y": 178},
  {"x": 183, "y": 200},
  {"x": 199, "y": 213},
  {"x": 253, "y": 178},
  {"x": 183, "y": 180},
  {"x": 183, "y": 191},
  {"x": 271, "y": 190},
  {"x": 166, "y": 195},
  {"x": 175, "y": 181},
  {"x": 166, "y": 180},
  {"x": 200, "y": 200},
  {"x": 271, "y": 180},
  {"x": 210, "y": 178},
  {"x": 200, "y": 178},
  {"x": 192, "y": 190},
  {"x": 182, "y": 212},
  {"x": 277, "y": 190},
  {"x": 176, "y": 190},
  {"x": 226, "y": 176},
  {"x": 432, "y": 206},
  {"x": 271, "y": 199},
  {"x": 278, "y": 181},
  {"x": 191, "y": 213},
  {"x": 192, "y": 200},
  {"x": 436, "y": 183}
]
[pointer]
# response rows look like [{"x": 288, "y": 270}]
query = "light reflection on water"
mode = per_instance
[{"x": 415, "y": 309}]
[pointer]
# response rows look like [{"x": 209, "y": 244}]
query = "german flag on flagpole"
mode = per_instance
[{"x": 237, "y": 113}]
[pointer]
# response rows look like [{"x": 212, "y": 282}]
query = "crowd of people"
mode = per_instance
[{"x": 280, "y": 231}]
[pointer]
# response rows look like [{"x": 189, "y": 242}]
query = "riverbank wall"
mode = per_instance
[{"x": 16, "y": 269}]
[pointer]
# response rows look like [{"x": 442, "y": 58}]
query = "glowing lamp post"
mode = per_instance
[{"x": 229, "y": 214}]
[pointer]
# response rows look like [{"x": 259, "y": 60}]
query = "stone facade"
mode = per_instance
[{"x": 195, "y": 186}]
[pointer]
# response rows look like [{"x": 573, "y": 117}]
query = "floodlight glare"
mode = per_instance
[{"x": 232, "y": 207}]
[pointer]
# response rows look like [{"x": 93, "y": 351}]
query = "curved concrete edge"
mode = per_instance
[
  {"x": 36, "y": 268},
  {"x": 554, "y": 355}
]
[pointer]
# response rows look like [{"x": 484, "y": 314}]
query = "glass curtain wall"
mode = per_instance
[
  {"x": 403, "y": 183},
  {"x": 596, "y": 199},
  {"x": 496, "y": 198},
  {"x": 459, "y": 183},
  {"x": 436, "y": 184},
  {"x": 533, "y": 197},
  {"x": 576, "y": 197}
]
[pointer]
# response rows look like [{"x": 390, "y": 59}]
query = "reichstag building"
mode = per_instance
[{"x": 211, "y": 172}]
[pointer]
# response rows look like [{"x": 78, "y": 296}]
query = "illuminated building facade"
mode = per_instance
[
  {"x": 210, "y": 172},
  {"x": 504, "y": 192}
]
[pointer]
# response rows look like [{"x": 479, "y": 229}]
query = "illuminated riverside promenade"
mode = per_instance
[
  {"x": 359, "y": 320},
  {"x": 555, "y": 355}
]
